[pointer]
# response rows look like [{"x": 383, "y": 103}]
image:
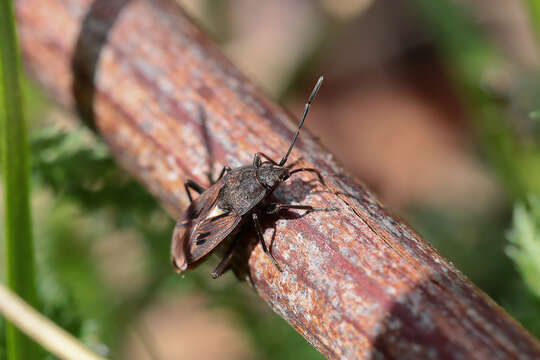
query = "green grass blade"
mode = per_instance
[{"x": 19, "y": 248}]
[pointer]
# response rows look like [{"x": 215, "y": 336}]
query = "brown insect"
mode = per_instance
[{"x": 237, "y": 195}]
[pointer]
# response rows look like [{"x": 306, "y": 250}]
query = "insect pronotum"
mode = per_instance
[{"x": 237, "y": 194}]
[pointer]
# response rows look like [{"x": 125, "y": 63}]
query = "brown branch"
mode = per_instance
[{"x": 356, "y": 283}]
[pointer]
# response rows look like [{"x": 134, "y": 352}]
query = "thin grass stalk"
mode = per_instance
[{"x": 51, "y": 336}]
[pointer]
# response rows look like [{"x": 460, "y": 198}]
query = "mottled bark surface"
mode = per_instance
[{"x": 357, "y": 283}]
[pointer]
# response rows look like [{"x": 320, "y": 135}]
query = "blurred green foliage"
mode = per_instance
[
  {"x": 469, "y": 55},
  {"x": 533, "y": 7},
  {"x": 3, "y": 354}
]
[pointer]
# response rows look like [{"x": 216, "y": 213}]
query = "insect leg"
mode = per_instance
[
  {"x": 315, "y": 171},
  {"x": 193, "y": 185},
  {"x": 223, "y": 171},
  {"x": 261, "y": 239},
  {"x": 257, "y": 159},
  {"x": 273, "y": 208},
  {"x": 225, "y": 262}
]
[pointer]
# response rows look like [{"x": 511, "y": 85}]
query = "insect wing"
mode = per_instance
[
  {"x": 180, "y": 246},
  {"x": 210, "y": 232},
  {"x": 202, "y": 227}
]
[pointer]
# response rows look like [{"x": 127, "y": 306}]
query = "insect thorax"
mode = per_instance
[{"x": 242, "y": 191}]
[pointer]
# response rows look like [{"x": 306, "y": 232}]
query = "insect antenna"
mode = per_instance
[{"x": 304, "y": 115}]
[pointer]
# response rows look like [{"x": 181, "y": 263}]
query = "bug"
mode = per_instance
[{"x": 237, "y": 195}]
